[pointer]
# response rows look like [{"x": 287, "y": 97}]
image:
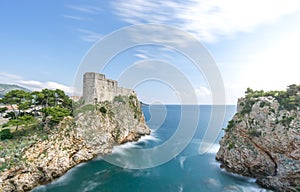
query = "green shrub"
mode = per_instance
[
  {"x": 287, "y": 120},
  {"x": 248, "y": 106},
  {"x": 5, "y": 134},
  {"x": 231, "y": 146},
  {"x": 88, "y": 107},
  {"x": 119, "y": 99},
  {"x": 254, "y": 133},
  {"x": 103, "y": 110},
  {"x": 231, "y": 124},
  {"x": 262, "y": 104}
]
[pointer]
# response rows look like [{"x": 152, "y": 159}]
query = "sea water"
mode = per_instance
[{"x": 187, "y": 171}]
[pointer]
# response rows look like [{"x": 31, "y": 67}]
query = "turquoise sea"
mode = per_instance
[{"x": 189, "y": 171}]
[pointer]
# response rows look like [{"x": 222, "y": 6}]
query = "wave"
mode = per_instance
[
  {"x": 121, "y": 149},
  {"x": 62, "y": 180},
  {"x": 215, "y": 163},
  {"x": 152, "y": 137},
  {"x": 239, "y": 177},
  {"x": 215, "y": 185},
  {"x": 247, "y": 188}
]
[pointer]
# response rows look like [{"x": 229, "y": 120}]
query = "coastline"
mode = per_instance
[
  {"x": 262, "y": 139},
  {"x": 34, "y": 174},
  {"x": 76, "y": 140}
]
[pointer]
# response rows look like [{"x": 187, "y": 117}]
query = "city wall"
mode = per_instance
[{"x": 97, "y": 87}]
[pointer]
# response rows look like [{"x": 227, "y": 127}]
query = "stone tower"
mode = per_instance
[{"x": 97, "y": 87}]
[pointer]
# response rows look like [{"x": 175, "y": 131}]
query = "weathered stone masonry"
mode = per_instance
[{"x": 97, "y": 87}]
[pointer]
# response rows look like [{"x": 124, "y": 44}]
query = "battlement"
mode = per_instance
[{"x": 97, "y": 87}]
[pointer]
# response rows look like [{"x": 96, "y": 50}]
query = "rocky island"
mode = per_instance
[
  {"x": 263, "y": 139},
  {"x": 107, "y": 115}
]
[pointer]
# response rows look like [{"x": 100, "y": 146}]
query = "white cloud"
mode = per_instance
[
  {"x": 141, "y": 56},
  {"x": 74, "y": 17},
  {"x": 202, "y": 92},
  {"x": 204, "y": 95},
  {"x": 206, "y": 19},
  {"x": 90, "y": 36},
  {"x": 85, "y": 9},
  {"x": 33, "y": 85}
]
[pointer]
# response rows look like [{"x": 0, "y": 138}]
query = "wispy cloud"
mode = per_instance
[
  {"x": 74, "y": 17},
  {"x": 85, "y": 9},
  {"x": 33, "y": 85},
  {"x": 141, "y": 56},
  {"x": 202, "y": 92},
  {"x": 204, "y": 95},
  {"x": 208, "y": 20},
  {"x": 90, "y": 36}
]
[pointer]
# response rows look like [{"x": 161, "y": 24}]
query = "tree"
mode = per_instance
[
  {"x": 2, "y": 110},
  {"x": 37, "y": 101},
  {"x": 19, "y": 100},
  {"x": 52, "y": 105},
  {"x": 21, "y": 121},
  {"x": 55, "y": 114},
  {"x": 292, "y": 90}
]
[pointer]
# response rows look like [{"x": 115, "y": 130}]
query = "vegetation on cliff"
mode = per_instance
[
  {"x": 28, "y": 117},
  {"x": 263, "y": 139},
  {"x": 45, "y": 135}
]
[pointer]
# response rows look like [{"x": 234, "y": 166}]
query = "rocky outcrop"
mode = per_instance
[
  {"x": 263, "y": 141},
  {"x": 94, "y": 131}
]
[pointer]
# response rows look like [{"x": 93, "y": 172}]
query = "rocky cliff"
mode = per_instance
[
  {"x": 263, "y": 139},
  {"x": 94, "y": 131}
]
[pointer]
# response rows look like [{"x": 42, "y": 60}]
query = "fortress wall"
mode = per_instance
[
  {"x": 123, "y": 91},
  {"x": 88, "y": 87},
  {"x": 97, "y": 86}
]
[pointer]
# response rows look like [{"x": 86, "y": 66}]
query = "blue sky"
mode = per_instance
[{"x": 254, "y": 43}]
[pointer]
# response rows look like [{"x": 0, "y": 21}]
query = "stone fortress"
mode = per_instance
[{"x": 98, "y": 88}]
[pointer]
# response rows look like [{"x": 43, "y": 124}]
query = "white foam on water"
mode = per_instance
[
  {"x": 215, "y": 163},
  {"x": 121, "y": 149},
  {"x": 248, "y": 179},
  {"x": 212, "y": 182},
  {"x": 180, "y": 188},
  {"x": 62, "y": 180},
  {"x": 253, "y": 189},
  {"x": 138, "y": 172},
  {"x": 68, "y": 175},
  {"x": 181, "y": 161},
  {"x": 91, "y": 185},
  {"x": 211, "y": 148},
  {"x": 147, "y": 138},
  {"x": 40, "y": 188},
  {"x": 100, "y": 172}
]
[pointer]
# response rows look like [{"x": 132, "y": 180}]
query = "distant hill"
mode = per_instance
[{"x": 4, "y": 88}]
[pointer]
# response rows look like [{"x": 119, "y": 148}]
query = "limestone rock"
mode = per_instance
[
  {"x": 263, "y": 141},
  {"x": 94, "y": 133}
]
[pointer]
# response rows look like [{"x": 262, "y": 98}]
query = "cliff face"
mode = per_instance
[
  {"x": 93, "y": 132},
  {"x": 263, "y": 141}
]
